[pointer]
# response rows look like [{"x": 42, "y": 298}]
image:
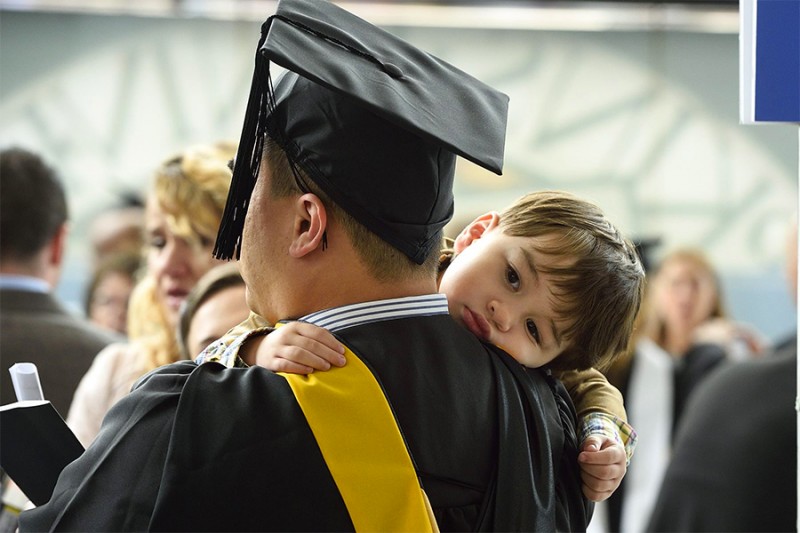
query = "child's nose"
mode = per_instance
[{"x": 500, "y": 315}]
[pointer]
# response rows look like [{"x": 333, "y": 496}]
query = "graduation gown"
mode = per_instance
[{"x": 208, "y": 448}]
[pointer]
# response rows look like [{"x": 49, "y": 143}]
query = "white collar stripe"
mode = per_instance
[
  {"x": 367, "y": 312},
  {"x": 343, "y": 322},
  {"x": 362, "y": 311},
  {"x": 408, "y": 300},
  {"x": 394, "y": 303}
]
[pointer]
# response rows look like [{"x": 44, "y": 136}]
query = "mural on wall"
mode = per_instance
[{"x": 600, "y": 115}]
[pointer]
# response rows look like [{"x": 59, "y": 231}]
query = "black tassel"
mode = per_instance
[{"x": 248, "y": 157}]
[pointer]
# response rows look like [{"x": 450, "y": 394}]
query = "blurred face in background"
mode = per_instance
[
  {"x": 215, "y": 316},
  {"x": 177, "y": 256},
  {"x": 686, "y": 294},
  {"x": 109, "y": 305}
]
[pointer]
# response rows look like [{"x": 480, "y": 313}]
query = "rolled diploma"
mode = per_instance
[{"x": 25, "y": 378}]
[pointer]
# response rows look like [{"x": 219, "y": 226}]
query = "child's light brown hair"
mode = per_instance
[{"x": 599, "y": 293}]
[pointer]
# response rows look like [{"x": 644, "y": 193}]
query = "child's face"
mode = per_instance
[{"x": 493, "y": 288}]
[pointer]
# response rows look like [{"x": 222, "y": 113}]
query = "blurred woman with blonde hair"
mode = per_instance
[{"x": 184, "y": 206}]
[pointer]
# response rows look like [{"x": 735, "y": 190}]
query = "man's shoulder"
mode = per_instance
[
  {"x": 41, "y": 314},
  {"x": 20, "y": 301},
  {"x": 206, "y": 377}
]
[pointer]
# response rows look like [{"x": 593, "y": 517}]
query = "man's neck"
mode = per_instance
[{"x": 35, "y": 267}]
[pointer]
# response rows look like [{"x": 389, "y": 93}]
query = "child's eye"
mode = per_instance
[
  {"x": 512, "y": 277},
  {"x": 532, "y": 329}
]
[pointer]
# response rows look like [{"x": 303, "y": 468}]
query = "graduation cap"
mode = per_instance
[{"x": 375, "y": 122}]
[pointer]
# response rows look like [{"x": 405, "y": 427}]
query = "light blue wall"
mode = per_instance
[{"x": 644, "y": 123}]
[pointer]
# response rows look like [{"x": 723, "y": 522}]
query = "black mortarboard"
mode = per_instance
[{"x": 375, "y": 122}]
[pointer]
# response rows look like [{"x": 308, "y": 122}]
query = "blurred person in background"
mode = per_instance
[
  {"x": 34, "y": 326},
  {"x": 118, "y": 228},
  {"x": 183, "y": 209},
  {"x": 684, "y": 334},
  {"x": 215, "y": 305},
  {"x": 734, "y": 463},
  {"x": 689, "y": 309},
  {"x": 109, "y": 291}
]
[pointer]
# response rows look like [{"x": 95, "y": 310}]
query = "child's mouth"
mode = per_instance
[{"x": 477, "y": 325}]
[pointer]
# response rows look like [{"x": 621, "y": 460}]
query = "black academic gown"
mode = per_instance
[
  {"x": 734, "y": 466},
  {"x": 208, "y": 448}
]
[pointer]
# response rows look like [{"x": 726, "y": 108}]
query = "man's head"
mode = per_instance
[
  {"x": 384, "y": 261},
  {"x": 550, "y": 280},
  {"x": 33, "y": 214},
  {"x": 317, "y": 242},
  {"x": 368, "y": 125}
]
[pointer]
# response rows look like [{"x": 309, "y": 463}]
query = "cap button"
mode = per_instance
[{"x": 393, "y": 70}]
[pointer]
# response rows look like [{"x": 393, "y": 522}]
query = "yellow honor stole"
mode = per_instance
[{"x": 363, "y": 448}]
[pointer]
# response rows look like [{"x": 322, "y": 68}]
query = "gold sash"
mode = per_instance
[{"x": 363, "y": 448}]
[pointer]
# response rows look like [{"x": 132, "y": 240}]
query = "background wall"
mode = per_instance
[{"x": 645, "y": 123}]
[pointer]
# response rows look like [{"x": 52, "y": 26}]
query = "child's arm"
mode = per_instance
[
  {"x": 294, "y": 347},
  {"x": 607, "y": 440}
]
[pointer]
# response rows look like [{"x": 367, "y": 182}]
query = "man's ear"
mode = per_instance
[
  {"x": 53, "y": 256},
  {"x": 475, "y": 230},
  {"x": 58, "y": 244},
  {"x": 310, "y": 223}
]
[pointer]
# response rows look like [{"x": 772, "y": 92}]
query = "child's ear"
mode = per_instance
[{"x": 475, "y": 230}]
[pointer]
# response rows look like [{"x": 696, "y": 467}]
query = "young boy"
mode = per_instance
[{"x": 550, "y": 281}]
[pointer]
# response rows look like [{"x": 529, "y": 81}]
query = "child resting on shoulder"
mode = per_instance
[{"x": 550, "y": 280}]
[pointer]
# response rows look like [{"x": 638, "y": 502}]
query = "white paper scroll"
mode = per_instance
[{"x": 25, "y": 378}]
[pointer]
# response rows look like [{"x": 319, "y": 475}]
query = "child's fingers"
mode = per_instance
[
  {"x": 284, "y": 365},
  {"x": 320, "y": 335},
  {"x": 318, "y": 343},
  {"x": 598, "y": 488},
  {"x": 607, "y": 454},
  {"x": 301, "y": 355},
  {"x": 603, "y": 466},
  {"x": 326, "y": 353},
  {"x": 603, "y": 472},
  {"x": 592, "y": 443}
]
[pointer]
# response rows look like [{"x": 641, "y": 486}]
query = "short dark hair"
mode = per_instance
[
  {"x": 33, "y": 205},
  {"x": 383, "y": 260}
]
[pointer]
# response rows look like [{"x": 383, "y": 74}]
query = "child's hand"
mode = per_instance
[
  {"x": 603, "y": 465},
  {"x": 299, "y": 348}
]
